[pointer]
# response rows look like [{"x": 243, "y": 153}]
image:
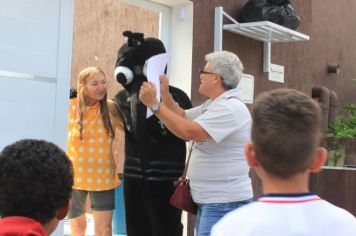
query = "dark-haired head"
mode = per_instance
[
  {"x": 285, "y": 131},
  {"x": 36, "y": 179}
]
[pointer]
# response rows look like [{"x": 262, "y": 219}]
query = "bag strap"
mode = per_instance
[{"x": 187, "y": 164}]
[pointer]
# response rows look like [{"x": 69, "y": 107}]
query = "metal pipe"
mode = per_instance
[
  {"x": 322, "y": 95},
  {"x": 332, "y": 106}
]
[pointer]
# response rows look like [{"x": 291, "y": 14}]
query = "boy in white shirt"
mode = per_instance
[{"x": 284, "y": 151}]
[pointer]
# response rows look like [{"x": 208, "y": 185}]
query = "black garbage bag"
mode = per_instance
[
  {"x": 278, "y": 2},
  {"x": 277, "y": 11}
]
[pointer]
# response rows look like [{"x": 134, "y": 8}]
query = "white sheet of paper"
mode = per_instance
[{"x": 155, "y": 68}]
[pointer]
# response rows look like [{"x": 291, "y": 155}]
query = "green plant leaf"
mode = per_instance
[{"x": 345, "y": 126}]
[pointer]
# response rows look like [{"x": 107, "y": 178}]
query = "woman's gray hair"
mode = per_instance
[{"x": 228, "y": 66}]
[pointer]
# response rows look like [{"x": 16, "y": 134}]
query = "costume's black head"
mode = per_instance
[{"x": 132, "y": 56}]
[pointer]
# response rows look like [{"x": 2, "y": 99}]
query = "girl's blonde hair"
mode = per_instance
[{"x": 82, "y": 99}]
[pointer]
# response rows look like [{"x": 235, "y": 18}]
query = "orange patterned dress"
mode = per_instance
[{"x": 92, "y": 158}]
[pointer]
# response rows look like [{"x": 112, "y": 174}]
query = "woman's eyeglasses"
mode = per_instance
[
  {"x": 206, "y": 72},
  {"x": 201, "y": 72}
]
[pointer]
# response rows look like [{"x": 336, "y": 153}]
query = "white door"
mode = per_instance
[{"x": 35, "y": 62}]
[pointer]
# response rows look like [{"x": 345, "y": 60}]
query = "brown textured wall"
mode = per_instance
[
  {"x": 97, "y": 34},
  {"x": 336, "y": 186},
  {"x": 332, "y": 41}
]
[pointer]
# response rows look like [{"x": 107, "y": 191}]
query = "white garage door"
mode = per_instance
[{"x": 35, "y": 61}]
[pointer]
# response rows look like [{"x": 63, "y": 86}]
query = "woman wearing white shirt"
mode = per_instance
[{"x": 218, "y": 171}]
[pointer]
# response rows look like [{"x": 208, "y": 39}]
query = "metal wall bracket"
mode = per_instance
[{"x": 264, "y": 31}]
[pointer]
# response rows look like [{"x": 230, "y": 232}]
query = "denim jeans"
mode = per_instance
[{"x": 209, "y": 214}]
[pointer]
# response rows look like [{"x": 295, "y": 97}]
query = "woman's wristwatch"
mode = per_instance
[{"x": 155, "y": 107}]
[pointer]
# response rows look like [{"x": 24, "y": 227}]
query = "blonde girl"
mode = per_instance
[{"x": 93, "y": 121}]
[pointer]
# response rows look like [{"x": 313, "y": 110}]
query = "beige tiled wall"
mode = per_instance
[{"x": 97, "y": 34}]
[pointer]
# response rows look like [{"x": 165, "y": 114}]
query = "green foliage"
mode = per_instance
[
  {"x": 336, "y": 157},
  {"x": 341, "y": 128},
  {"x": 344, "y": 126}
]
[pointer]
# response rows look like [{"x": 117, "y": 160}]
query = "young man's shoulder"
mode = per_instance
[
  {"x": 265, "y": 209},
  {"x": 338, "y": 214},
  {"x": 242, "y": 214},
  {"x": 239, "y": 220},
  {"x": 334, "y": 220},
  {"x": 22, "y": 226},
  {"x": 258, "y": 218}
]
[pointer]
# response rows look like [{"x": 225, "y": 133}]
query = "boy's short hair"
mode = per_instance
[
  {"x": 36, "y": 179},
  {"x": 285, "y": 131}
]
